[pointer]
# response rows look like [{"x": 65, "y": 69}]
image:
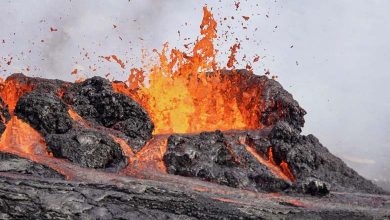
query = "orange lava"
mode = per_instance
[
  {"x": 274, "y": 169},
  {"x": 296, "y": 202},
  {"x": 182, "y": 96},
  {"x": 201, "y": 189},
  {"x": 150, "y": 158},
  {"x": 11, "y": 90},
  {"x": 116, "y": 59},
  {"x": 126, "y": 149},
  {"x": 76, "y": 117},
  {"x": 286, "y": 170},
  {"x": 232, "y": 57},
  {"x": 283, "y": 165},
  {"x": 278, "y": 171},
  {"x": 21, "y": 137}
]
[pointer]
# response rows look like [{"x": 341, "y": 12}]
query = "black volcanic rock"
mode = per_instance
[
  {"x": 95, "y": 100},
  {"x": 212, "y": 157},
  {"x": 24, "y": 198},
  {"x": 13, "y": 164},
  {"x": 275, "y": 103},
  {"x": 45, "y": 111},
  {"x": 307, "y": 158},
  {"x": 315, "y": 187},
  {"x": 87, "y": 148},
  {"x": 279, "y": 105},
  {"x": 220, "y": 158}
]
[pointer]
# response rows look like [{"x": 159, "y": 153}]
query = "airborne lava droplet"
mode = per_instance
[
  {"x": 232, "y": 57},
  {"x": 116, "y": 59}
]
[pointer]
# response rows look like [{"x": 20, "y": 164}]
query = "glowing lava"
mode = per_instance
[
  {"x": 281, "y": 171},
  {"x": 21, "y": 137},
  {"x": 150, "y": 158},
  {"x": 182, "y": 96},
  {"x": 11, "y": 90}
]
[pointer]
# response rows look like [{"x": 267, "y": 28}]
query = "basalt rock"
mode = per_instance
[
  {"x": 279, "y": 105},
  {"x": 22, "y": 198},
  {"x": 308, "y": 158},
  {"x": 48, "y": 114},
  {"x": 235, "y": 159},
  {"x": 275, "y": 104},
  {"x": 315, "y": 187},
  {"x": 212, "y": 157},
  {"x": 221, "y": 158},
  {"x": 10, "y": 163},
  {"x": 87, "y": 148},
  {"x": 95, "y": 100},
  {"x": 44, "y": 111}
]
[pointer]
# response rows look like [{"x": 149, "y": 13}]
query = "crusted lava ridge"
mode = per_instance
[
  {"x": 43, "y": 104},
  {"x": 222, "y": 158},
  {"x": 10, "y": 163},
  {"x": 276, "y": 104},
  {"x": 95, "y": 100},
  {"x": 48, "y": 114},
  {"x": 212, "y": 157},
  {"x": 309, "y": 160}
]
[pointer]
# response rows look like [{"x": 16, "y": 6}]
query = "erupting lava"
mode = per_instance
[
  {"x": 183, "y": 93},
  {"x": 11, "y": 90},
  {"x": 182, "y": 96}
]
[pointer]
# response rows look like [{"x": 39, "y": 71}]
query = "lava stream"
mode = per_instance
[
  {"x": 149, "y": 160},
  {"x": 21, "y": 139},
  {"x": 278, "y": 171}
]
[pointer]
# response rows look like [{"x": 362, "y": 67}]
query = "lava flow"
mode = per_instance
[
  {"x": 21, "y": 137},
  {"x": 182, "y": 96},
  {"x": 149, "y": 158},
  {"x": 282, "y": 171}
]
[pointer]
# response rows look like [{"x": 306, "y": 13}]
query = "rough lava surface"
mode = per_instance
[{"x": 95, "y": 100}]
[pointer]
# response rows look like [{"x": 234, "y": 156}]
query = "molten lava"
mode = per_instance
[
  {"x": 76, "y": 117},
  {"x": 11, "y": 90},
  {"x": 283, "y": 165},
  {"x": 149, "y": 158},
  {"x": 282, "y": 171},
  {"x": 182, "y": 96},
  {"x": 20, "y": 137}
]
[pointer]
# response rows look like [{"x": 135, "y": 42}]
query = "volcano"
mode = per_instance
[
  {"x": 181, "y": 139},
  {"x": 87, "y": 149}
]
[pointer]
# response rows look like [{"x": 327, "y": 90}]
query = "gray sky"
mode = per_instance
[{"x": 338, "y": 67}]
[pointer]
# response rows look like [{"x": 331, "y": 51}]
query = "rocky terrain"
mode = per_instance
[{"x": 97, "y": 159}]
